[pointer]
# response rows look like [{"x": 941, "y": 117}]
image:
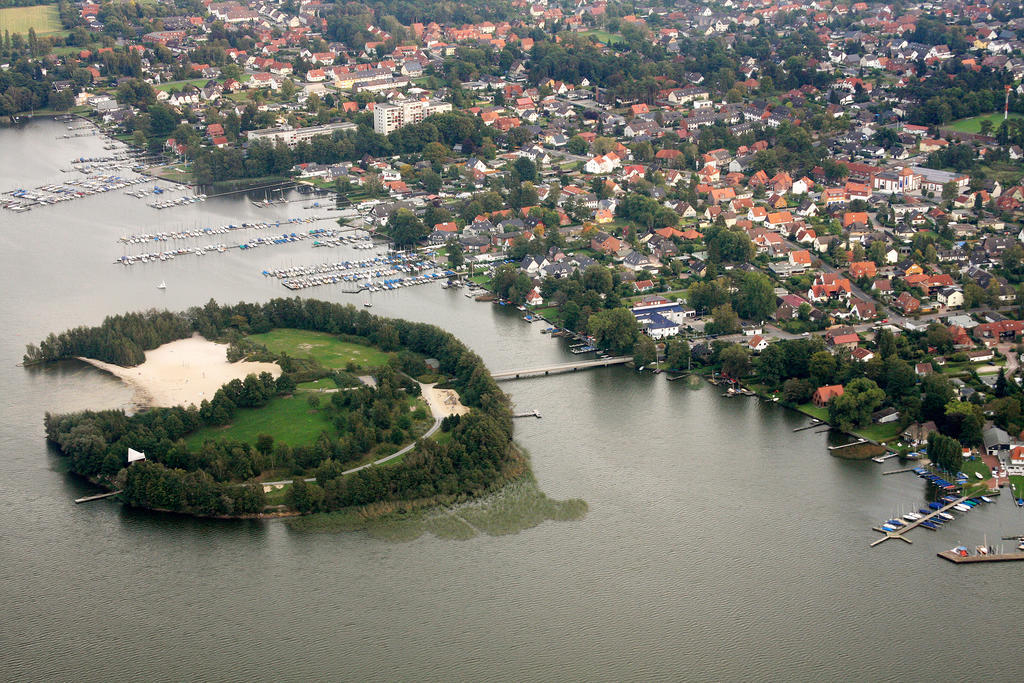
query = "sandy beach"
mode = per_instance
[
  {"x": 183, "y": 372},
  {"x": 443, "y": 402}
]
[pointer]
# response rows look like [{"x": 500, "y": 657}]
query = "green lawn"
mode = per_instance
[
  {"x": 972, "y": 466},
  {"x": 877, "y": 432},
  {"x": 321, "y": 347},
  {"x": 288, "y": 420},
  {"x": 603, "y": 36},
  {"x": 323, "y": 383},
  {"x": 973, "y": 124},
  {"x": 814, "y": 411},
  {"x": 45, "y": 19},
  {"x": 178, "y": 85}
]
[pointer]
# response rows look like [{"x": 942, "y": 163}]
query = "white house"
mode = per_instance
[
  {"x": 950, "y": 297},
  {"x": 606, "y": 163}
]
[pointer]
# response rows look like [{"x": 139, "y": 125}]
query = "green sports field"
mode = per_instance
[
  {"x": 973, "y": 124},
  {"x": 43, "y": 18}
]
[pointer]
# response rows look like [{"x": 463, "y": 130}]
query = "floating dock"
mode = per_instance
[{"x": 960, "y": 559}]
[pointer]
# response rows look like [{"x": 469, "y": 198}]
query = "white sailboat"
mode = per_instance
[{"x": 162, "y": 285}]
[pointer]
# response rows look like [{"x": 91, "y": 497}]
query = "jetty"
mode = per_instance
[
  {"x": 847, "y": 445},
  {"x": 99, "y": 496},
  {"x": 905, "y": 469},
  {"x": 815, "y": 423},
  {"x": 991, "y": 557},
  {"x": 557, "y": 369},
  {"x": 532, "y": 413},
  {"x": 899, "y": 533}
]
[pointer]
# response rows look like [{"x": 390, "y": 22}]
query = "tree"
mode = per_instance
[
  {"x": 615, "y": 329},
  {"x": 886, "y": 344},
  {"x": 964, "y": 421},
  {"x": 524, "y": 170},
  {"x": 797, "y": 391},
  {"x": 724, "y": 320},
  {"x": 900, "y": 378},
  {"x": 404, "y": 228},
  {"x": 877, "y": 252},
  {"x": 644, "y": 351},
  {"x": 822, "y": 366},
  {"x": 949, "y": 191},
  {"x": 576, "y": 145},
  {"x": 756, "y": 298},
  {"x": 287, "y": 89},
  {"x": 771, "y": 366},
  {"x": 937, "y": 393},
  {"x": 597, "y": 278},
  {"x": 735, "y": 361},
  {"x": 945, "y": 452},
  {"x": 456, "y": 258},
  {"x": 430, "y": 180},
  {"x": 859, "y": 400},
  {"x": 939, "y": 337},
  {"x": 705, "y": 296},
  {"x": 677, "y": 353}
]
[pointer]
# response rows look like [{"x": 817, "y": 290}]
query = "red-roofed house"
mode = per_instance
[{"x": 822, "y": 395}]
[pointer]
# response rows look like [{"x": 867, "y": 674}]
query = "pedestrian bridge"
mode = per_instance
[{"x": 558, "y": 369}]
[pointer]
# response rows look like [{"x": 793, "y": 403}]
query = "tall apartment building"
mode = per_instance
[{"x": 390, "y": 117}]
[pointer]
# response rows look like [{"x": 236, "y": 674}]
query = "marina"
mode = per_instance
[
  {"x": 377, "y": 273},
  {"x": 184, "y": 242},
  {"x": 931, "y": 517},
  {"x": 57, "y": 193}
]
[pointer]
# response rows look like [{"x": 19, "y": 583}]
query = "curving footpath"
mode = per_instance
[{"x": 436, "y": 409}]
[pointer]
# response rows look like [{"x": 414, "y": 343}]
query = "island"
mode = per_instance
[{"x": 287, "y": 408}]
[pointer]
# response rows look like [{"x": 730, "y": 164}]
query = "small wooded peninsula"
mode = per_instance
[{"x": 327, "y": 434}]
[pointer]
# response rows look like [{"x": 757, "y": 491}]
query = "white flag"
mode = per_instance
[{"x": 134, "y": 455}]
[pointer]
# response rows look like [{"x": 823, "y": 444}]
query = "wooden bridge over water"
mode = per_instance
[{"x": 564, "y": 367}]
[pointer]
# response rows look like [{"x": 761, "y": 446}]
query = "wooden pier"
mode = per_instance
[
  {"x": 960, "y": 559},
  {"x": 100, "y": 496},
  {"x": 532, "y": 413},
  {"x": 904, "y": 529},
  {"x": 899, "y": 471},
  {"x": 847, "y": 445},
  {"x": 816, "y": 423},
  {"x": 557, "y": 369}
]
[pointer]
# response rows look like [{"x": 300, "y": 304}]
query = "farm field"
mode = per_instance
[{"x": 43, "y": 18}]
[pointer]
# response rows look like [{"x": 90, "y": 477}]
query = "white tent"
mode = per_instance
[{"x": 134, "y": 455}]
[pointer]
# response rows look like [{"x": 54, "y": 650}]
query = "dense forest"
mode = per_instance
[{"x": 216, "y": 479}]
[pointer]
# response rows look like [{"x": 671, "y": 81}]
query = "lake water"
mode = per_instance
[{"x": 719, "y": 544}]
